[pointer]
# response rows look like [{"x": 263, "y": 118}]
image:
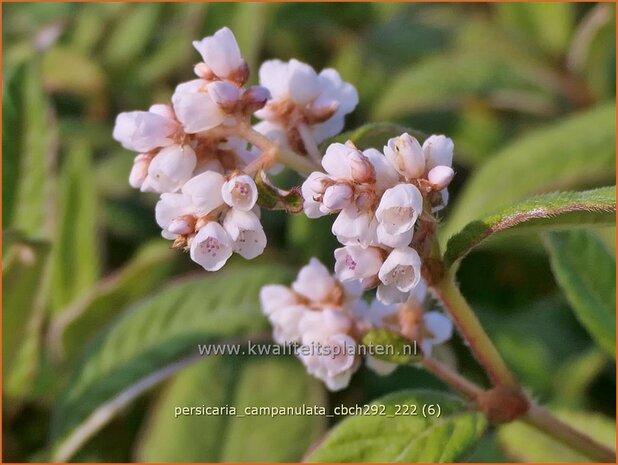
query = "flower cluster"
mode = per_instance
[
  {"x": 201, "y": 152},
  {"x": 379, "y": 199},
  {"x": 328, "y": 316}
]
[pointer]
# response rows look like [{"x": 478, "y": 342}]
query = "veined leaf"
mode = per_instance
[
  {"x": 75, "y": 264},
  {"x": 586, "y": 272},
  {"x": 78, "y": 323},
  {"x": 549, "y": 211},
  {"x": 154, "y": 334},
  {"x": 524, "y": 443},
  {"x": 575, "y": 152},
  {"x": 239, "y": 383},
  {"x": 405, "y": 438}
]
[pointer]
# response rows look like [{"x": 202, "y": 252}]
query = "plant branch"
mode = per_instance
[
  {"x": 452, "y": 378},
  {"x": 547, "y": 423},
  {"x": 474, "y": 335},
  {"x": 291, "y": 159}
]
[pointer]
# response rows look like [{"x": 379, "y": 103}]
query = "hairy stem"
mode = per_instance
[
  {"x": 545, "y": 422},
  {"x": 469, "y": 326},
  {"x": 291, "y": 159}
]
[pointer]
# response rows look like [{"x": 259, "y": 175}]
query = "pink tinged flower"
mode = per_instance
[
  {"x": 393, "y": 240},
  {"x": 224, "y": 94},
  {"x": 254, "y": 98},
  {"x": 170, "y": 169},
  {"x": 440, "y": 329},
  {"x": 389, "y": 294},
  {"x": 181, "y": 226},
  {"x": 168, "y": 208},
  {"x": 312, "y": 190},
  {"x": 204, "y": 190},
  {"x": 380, "y": 367},
  {"x": 315, "y": 325},
  {"x": 346, "y": 162},
  {"x": 354, "y": 262},
  {"x": 211, "y": 247},
  {"x": 162, "y": 109},
  {"x": 355, "y": 227},
  {"x": 240, "y": 192},
  {"x": 285, "y": 321},
  {"x": 245, "y": 229},
  {"x": 385, "y": 175},
  {"x": 221, "y": 53},
  {"x": 338, "y": 196},
  {"x": 440, "y": 176},
  {"x": 314, "y": 282},
  {"x": 274, "y": 76},
  {"x": 143, "y": 131},
  {"x": 438, "y": 150},
  {"x": 405, "y": 154},
  {"x": 139, "y": 171},
  {"x": 402, "y": 269},
  {"x": 274, "y": 297},
  {"x": 399, "y": 208},
  {"x": 195, "y": 108},
  {"x": 303, "y": 85}
]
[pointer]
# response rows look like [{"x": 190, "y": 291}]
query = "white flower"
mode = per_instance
[
  {"x": 402, "y": 269},
  {"x": 338, "y": 196},
  {"x": 285, "y": 323},
  {"x": 314, "y": 282},
  {"x": 224, "y": 94},
  {"x": 240, "y": 192},
  {"x": 143, "y": 131},
  {"x": 211, "y": 247},
  {"x": 440, "y": 329},
  {"x": 393, "y": 240},
  {"x": 317, "y": 324},
  {"x": 195, "y": 108},
  {"x": 313, "y": 190},
  {"x": 438, "y": 150},
  {"x": 356, "y": 262},
  {"x": 320, "y": 101},
  {"x": 204, "y": 191},
  {"x": 170, "y": 169},
  {"x": 346, "y": 162},
  {"x": 385, "y": 175},
  {"x": 245, "y": 229},
  {"x": 389, "y": 294},
  {"x": 139, "y": 171},
  {"x": 335, "y": 363},
  {"x": 440, "y": 176},
  {"x": 399, "y": 208},
  {"x": 353, "y": 226},
  {"x": 405, "y": 154},
  {"x": 168, "y": 208},
  {"x": 221, "y": 54},
  {"x": 274, "y": 297}
]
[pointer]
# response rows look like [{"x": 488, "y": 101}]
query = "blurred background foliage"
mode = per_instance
[{"x": 91, "y": 302}]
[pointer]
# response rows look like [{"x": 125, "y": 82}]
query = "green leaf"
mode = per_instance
[
  {"x": 549, "y": 211},
  {"x": 249, "y": 24},
  {"x": 155, "y": 333},
  {"x": 586, "y": 272},
  {"x": 405, "y": 438},
  {"x": 238, "y": 383},
  {"x": 75, "y": 265},
  {"x": 373, "y": 135},
  {"x": 22, "y": 276},
  {"x": 575, "y": 152},
  {"x": 28, "y": 154},
  {"x": 273, "y": 198},
  {"x": 76, "y": 325},
  {"x": 524, "y": 443}
]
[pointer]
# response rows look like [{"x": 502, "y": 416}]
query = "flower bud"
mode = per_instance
[
  {"x": 254, "y": 98},
  {"x": 440, "y": 176},
  {"x": 405, "y": 154},
  {"x": 202, "y": 70},
  {"x": 182, "y": 225},
  {"x": 361, "y": 169},
  {"x": 139, "y": 171},
  {"x": 337, "y": 196},
  {"x": 224, "y": 94}
]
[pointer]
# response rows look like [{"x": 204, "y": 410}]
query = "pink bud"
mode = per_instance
[
  {"x": 139, "y": 171},
  {"x": 319, "y": 183},
  {"x": 337, "y": 196},
  {"x": 254, "y": 98},
  {"x": 440, "y": 176},
  {"x": 203, "y": 71},
  {"x": 180, "y": 226},
  {"x": 361, "y": 168},
  {"x": 224, "y": 94}
]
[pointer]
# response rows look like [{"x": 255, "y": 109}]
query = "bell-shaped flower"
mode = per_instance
[
  {"x": 240, "y": 192},
  {"x": 170, "y": 169},
  {"x": 314, "y": 282},
  {"x": 354, "y": 226},
  {"x": 211, "y": 247},
  {"x": 399, "y": 208},
  {"x": 313, "y": 190},
  {"x": 221, "y": 54},
  {"x": 346, "y": 162},
  {"x": 168, "y": 208},
  {"x": 338, "y": 196},
  {"x": 274, "y": 297},
  {"x": 402, "y": 269},
  {"x": 385, "y": 175},
  {"x": 405, "y": 154},
  {"x": 143, "y": 131},
  {"x": 354, "y": 262},
  {"x": 204, "y": 190},
  {"x": 438, "y": 150},
  {"x": 195, "y": 108},
  {"x": 438, "y": 329},
  {"x": 245, "y": 230}
]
